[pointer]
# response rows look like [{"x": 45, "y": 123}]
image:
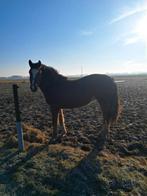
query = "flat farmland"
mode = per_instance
[{"x": 74, "y": 165}]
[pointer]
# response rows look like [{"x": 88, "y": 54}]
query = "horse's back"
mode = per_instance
[{"x": 96, "y": 81}]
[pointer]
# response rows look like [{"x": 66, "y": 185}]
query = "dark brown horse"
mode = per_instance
[{"x": 60, "y": 93}]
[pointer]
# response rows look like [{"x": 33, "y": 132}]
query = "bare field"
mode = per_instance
[{"x": 74, "y": 166}]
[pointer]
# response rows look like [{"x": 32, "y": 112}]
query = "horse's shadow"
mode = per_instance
[
  {"x": 8, "y": 157},
  {"x": 81, "y": 179},
  {"x": 30, "y": 154}
]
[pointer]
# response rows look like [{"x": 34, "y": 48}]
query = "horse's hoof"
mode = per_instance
[
  {"x": 64, "y": 134},
  {"x": 53, "y": 140}
]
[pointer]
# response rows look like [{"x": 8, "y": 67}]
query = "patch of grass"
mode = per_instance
[
  {"x": 44, "y": 173},
  {"x": 33, "y": 135},
  {"x": 56, "y": 170},
  {"x": 12, "y": 142},
  {"x": 2, "y": 190},
  {"x": 33, "y": 139},
  {"x": 35, "y": 188},
  {"x": 122, "y": 174}
]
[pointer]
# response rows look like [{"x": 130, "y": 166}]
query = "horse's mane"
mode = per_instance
[{"x": 53, "y": 74}]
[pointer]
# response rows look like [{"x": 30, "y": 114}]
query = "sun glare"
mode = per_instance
[
  {"x": 141, "y": 31},
  {"x": 141, "y": 28}
]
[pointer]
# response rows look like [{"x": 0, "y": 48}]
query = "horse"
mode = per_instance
[{"x": 61, "y": 92}]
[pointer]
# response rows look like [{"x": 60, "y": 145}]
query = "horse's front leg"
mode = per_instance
[
  {"x": 62, "y": 121},
  {"x": 55, "y": 112}
]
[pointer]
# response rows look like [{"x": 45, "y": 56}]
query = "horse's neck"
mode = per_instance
[
  {"x": 43, "y": 86},
  {"x": 46, "y": 85}
]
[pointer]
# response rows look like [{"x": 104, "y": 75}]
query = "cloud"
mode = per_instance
[
  {"x": 86, "y": 33},
  {"x": 131, "y": 40},
  {"x": 130, "y": 12}
]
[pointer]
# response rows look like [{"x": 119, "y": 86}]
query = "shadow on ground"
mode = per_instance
[{"x": 80, "y": 180}]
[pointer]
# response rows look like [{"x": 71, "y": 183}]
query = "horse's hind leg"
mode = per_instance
[
  {"x": 102, "y": 138},
  {"x": 106, "y": 121},
  {"x": 105, "y": 129},
  {"x": 54, "y": 111},
  {"x": 62, "y": 121}
]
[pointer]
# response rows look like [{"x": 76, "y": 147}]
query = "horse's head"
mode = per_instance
[{"x": 35, "y": 74}]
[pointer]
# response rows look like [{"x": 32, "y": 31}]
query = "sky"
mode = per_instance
[{"x": 73, "y": 36}]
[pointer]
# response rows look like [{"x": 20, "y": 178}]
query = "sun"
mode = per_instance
[
  {"x": 141, "y": 28},
  {"x": 141, "y": 31}
]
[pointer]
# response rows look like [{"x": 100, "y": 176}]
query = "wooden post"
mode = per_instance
[{"x": 18, "y": 118}]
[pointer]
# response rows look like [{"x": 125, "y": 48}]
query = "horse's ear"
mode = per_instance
[
  {"x": 39, "y": 62},
  {"x": 30, "y": 63}
]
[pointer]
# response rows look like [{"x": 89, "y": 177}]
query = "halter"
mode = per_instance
[
  {"x": 38, "y": 75},
  {"x": 35, "y": 80}
]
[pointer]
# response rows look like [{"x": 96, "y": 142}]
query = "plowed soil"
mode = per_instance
[{"x": 125, "y": 149}]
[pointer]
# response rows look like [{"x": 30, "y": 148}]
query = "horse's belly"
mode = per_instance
[
  {"x": 74, "y": 102},
  {"x": 71, "y": 96}
]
